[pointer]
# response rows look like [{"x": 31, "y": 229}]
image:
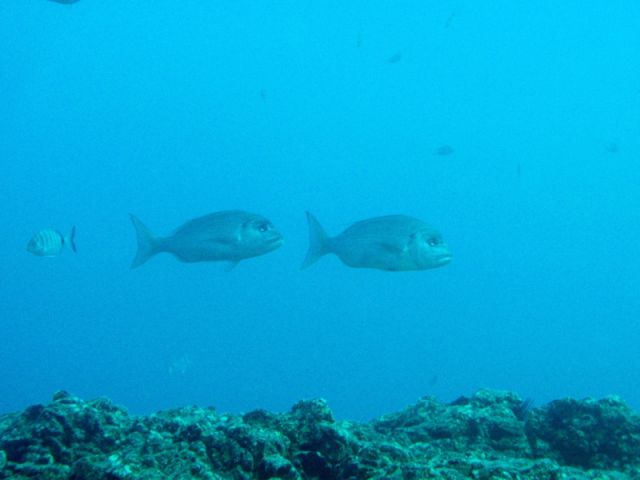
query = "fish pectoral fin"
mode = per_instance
[
  {"x": 228, "y": 240},
  {"x": 231, "y": 265},
  {"x": 391, "y": 247}
]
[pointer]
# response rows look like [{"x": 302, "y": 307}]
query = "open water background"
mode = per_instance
[{"x": 174, "y": 109}]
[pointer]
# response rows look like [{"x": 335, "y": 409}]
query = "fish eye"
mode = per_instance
[
  {"x": 264, "y": 226},
  {"x": 433, "y": 241}
]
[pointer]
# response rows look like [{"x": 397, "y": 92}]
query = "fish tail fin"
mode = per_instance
[
  {"x": 72, "y": 239},
  {"x": 319, "y": 242},
  {"x": 148, "y": 244}
]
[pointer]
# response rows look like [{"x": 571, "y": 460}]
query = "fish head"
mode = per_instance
[
  {"x": 34, "y": 246},
  {"x": 428, "y": 249},
  {"x": 259, "y": 236}
]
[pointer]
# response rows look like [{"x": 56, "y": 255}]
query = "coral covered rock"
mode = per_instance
[
  {"x": 490, "y": 435},
  {"x": 589, "y": 433}
]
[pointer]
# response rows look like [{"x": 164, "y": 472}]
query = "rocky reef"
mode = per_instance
[{"x": 490, "y": 435}]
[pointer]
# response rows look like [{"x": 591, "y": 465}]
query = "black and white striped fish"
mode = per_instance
[{"x": 50, "y": 242}]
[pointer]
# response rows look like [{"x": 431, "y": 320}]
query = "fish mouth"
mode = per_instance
[
  {"x": 443, "y": 259},
  {"x": 275, "y": 241}
]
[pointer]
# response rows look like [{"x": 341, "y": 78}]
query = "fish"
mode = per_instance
[
  {"x": 50, "y": 242},
  {"x": 391, "y": 243},
  {"x": 612, "y": 147},
  {"x": 395, "y": 58},
  {"x": 444, "y": 150},
  {"x": 65, "y": 2},
  {"x": 231, "y": 236},
  {"x": 450, "y": 18},
  {"x": 180, "y": 366}
]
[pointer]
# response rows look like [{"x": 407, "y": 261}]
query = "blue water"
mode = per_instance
[{"x": 174, "y": 109}]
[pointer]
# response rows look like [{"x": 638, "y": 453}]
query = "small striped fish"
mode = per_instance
[{"x": 50, "y": 242}]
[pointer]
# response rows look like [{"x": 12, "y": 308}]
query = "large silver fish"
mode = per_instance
[
  {"x": 222, "y": 236},
  {"x": 393, "y": 243},
  {"x": 50, "y": 242}
]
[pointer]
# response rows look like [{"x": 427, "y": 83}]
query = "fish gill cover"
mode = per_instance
[{"x": 512, "y": 128}]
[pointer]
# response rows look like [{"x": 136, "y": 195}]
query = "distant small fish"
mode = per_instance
[
  {"x": 392, "y": 243},
  {"x": 395, "y": 58},
  {"x": 263, "y": 94},
  {"x": 450, "y": 18},
  {"x": 180, "y": 366},
  {"x": 612, "y": 147},
  {"x": 444, "y": 150},
  {"x": 359, "y": 39},
  {"x": 66, "y": 2},
  {"x": 50, "y": 242},
  {"x": 222, "y": 236}
]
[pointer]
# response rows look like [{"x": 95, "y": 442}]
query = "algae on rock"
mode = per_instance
[{"x": 490, "y": 435}]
